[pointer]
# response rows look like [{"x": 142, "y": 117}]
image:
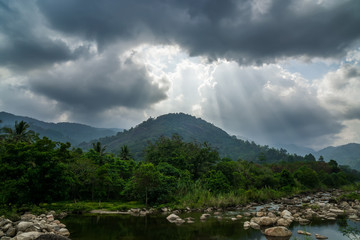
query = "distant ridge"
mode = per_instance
[
  {"x": 191, "y": 129},
  {"x": 348, "y": 154},
  {"x": 74, "y": 133}
]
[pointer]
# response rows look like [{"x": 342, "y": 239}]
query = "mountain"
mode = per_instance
[
  {"x": 74, "y": 133},
  {"x": 348, "y": 154},
  {"x": 295, "y": 149},
  {"x": 190, "y": 129}
]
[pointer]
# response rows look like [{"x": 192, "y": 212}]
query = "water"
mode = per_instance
[{"x": 114, "y": 227}]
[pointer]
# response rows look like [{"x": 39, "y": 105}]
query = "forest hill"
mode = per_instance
[{"x": 37, "y": 170}]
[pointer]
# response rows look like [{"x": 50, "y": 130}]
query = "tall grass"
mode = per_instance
[{"x": 199, "y": 197}]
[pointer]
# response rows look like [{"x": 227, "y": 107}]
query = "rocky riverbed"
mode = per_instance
[
  {"x": 274, "y": 219},
  {"x": 29, "y": 227}
]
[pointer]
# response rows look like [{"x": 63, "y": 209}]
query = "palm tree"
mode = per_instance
[
  {"x": 98, "y": 148},
  {"x": 20, "y": 132},
  {"x": 125, "y": 153}
]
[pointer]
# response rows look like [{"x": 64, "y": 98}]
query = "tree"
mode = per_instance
[
  {"x": 217, "y": 182},
  {"x": 309, "y": 157},
  {"x": 146, "y": 179},
  {"x": 98, "y": 148},
  {"x": 125, "y": 153},
  {"x": 20, "y": 132}
]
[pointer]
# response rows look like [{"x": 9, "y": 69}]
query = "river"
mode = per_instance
[{"x": 115, "y": 227}]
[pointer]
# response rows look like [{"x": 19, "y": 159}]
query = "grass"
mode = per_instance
[
  {"x": 202, "y": 198},
  {"x": 86, "y": 206}
]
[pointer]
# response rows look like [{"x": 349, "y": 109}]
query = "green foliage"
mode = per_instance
[
  {"x": 175, "y": 172},
  {"x": 216, "y": 182}
]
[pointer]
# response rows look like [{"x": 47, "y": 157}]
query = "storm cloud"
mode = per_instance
[
  {"x": 100, "y": 83},
  {"x": 273, "y": 71},
  {"x": 249, "y": 32}
]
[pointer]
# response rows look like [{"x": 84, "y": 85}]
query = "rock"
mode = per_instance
[
  {"x": 304, "y": 233},
  {"x": 204, "y": 216},
  {"x": 11, "y": 232},
  {"x": 278, "y": 232},
  {"x": 2, "y": 234},
  {"x": 336, "y": 211},
  {"x": 27, "y": 217},
  {"x": 266, "y": 221},
  {"x": 254, "y": 225},
  {"x": 28, "y": 236},
  {"x": 286, "y": 215},
  {"x": 6, "y": 238},
  {"x": 6, "y": 227},
  {"x": 4, "y": 222},
  {"x": 50, "y": 218},
  {"x": 23, "y": 226},
  {"x": 271, "y": 215},
  {"x": 260, "y": 214},
  {"x": 238, "y": 216},
  {"x": 304, "y": 221},
  {"x": 64, "y": 232},
  {"x": 246, "y": 225},
  {"x": 234, "y": 219},
  {"x": 172, "y": 217},
  {"x": 318, "y": 236},
  {"x": 283, "y": 222}
]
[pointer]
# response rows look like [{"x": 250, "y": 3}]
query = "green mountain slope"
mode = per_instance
[
  {"x": 63, "y": 132},
  {"x": 190, "y": 129},
  {"x": 348, "y": 154}
]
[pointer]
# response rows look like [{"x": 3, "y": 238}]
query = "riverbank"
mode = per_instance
[{"x": 29, "y": 227}]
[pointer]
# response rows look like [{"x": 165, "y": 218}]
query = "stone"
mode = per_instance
[
  {"x": 254, "y": 225},
  {"x": 27, "y": 217},
  {"x": 304, "y": 233},
  {"x": 336, "y": 211},
  {"x": 204, "y": 216},
  {"x": 2, "y": 234},
  {"x": 172, "y": 217},
  {"x": 304, "y": 221},
  {"x": 278, "y": 232},
  {"x": 28, "y": 236},
  {"x": 64, "y": 232},
  {"x": 246, "y": 225},
  {"x": 6, "y": 227},
  {"x": 239, "y": 216},
  {"x": 266, "y": 221},
  {"x": 234, "y": 219},
  {"x": 11, "y": 232},
  {"x": 4, "y": 222},
  {"x": 260, "y": 214},
  {"x": 318, "y": 236},
  {"x": 283, "y": 222},
  {"x": 22, "y": 226}
]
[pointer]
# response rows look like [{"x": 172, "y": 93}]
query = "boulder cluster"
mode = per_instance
[
  {"x": 275, "y": 218},
  {"x": 31, "y": 227},
  {"x": 302, "y": 210}
]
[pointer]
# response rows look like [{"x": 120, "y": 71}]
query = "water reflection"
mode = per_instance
[{"x": 157, "y": 227}]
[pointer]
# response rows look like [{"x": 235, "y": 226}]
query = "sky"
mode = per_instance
[{"x": 271, "y": 71}]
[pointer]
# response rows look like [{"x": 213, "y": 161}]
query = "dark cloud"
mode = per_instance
[
  {"x": 99, "y": 84},
  {"x": 246, "y": 31},
  {"x": 25, "y": 43}
]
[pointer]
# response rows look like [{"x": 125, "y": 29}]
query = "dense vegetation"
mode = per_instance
[
  {"x": 191, "y": 129},
  {"x": 37, "y": 170}
]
